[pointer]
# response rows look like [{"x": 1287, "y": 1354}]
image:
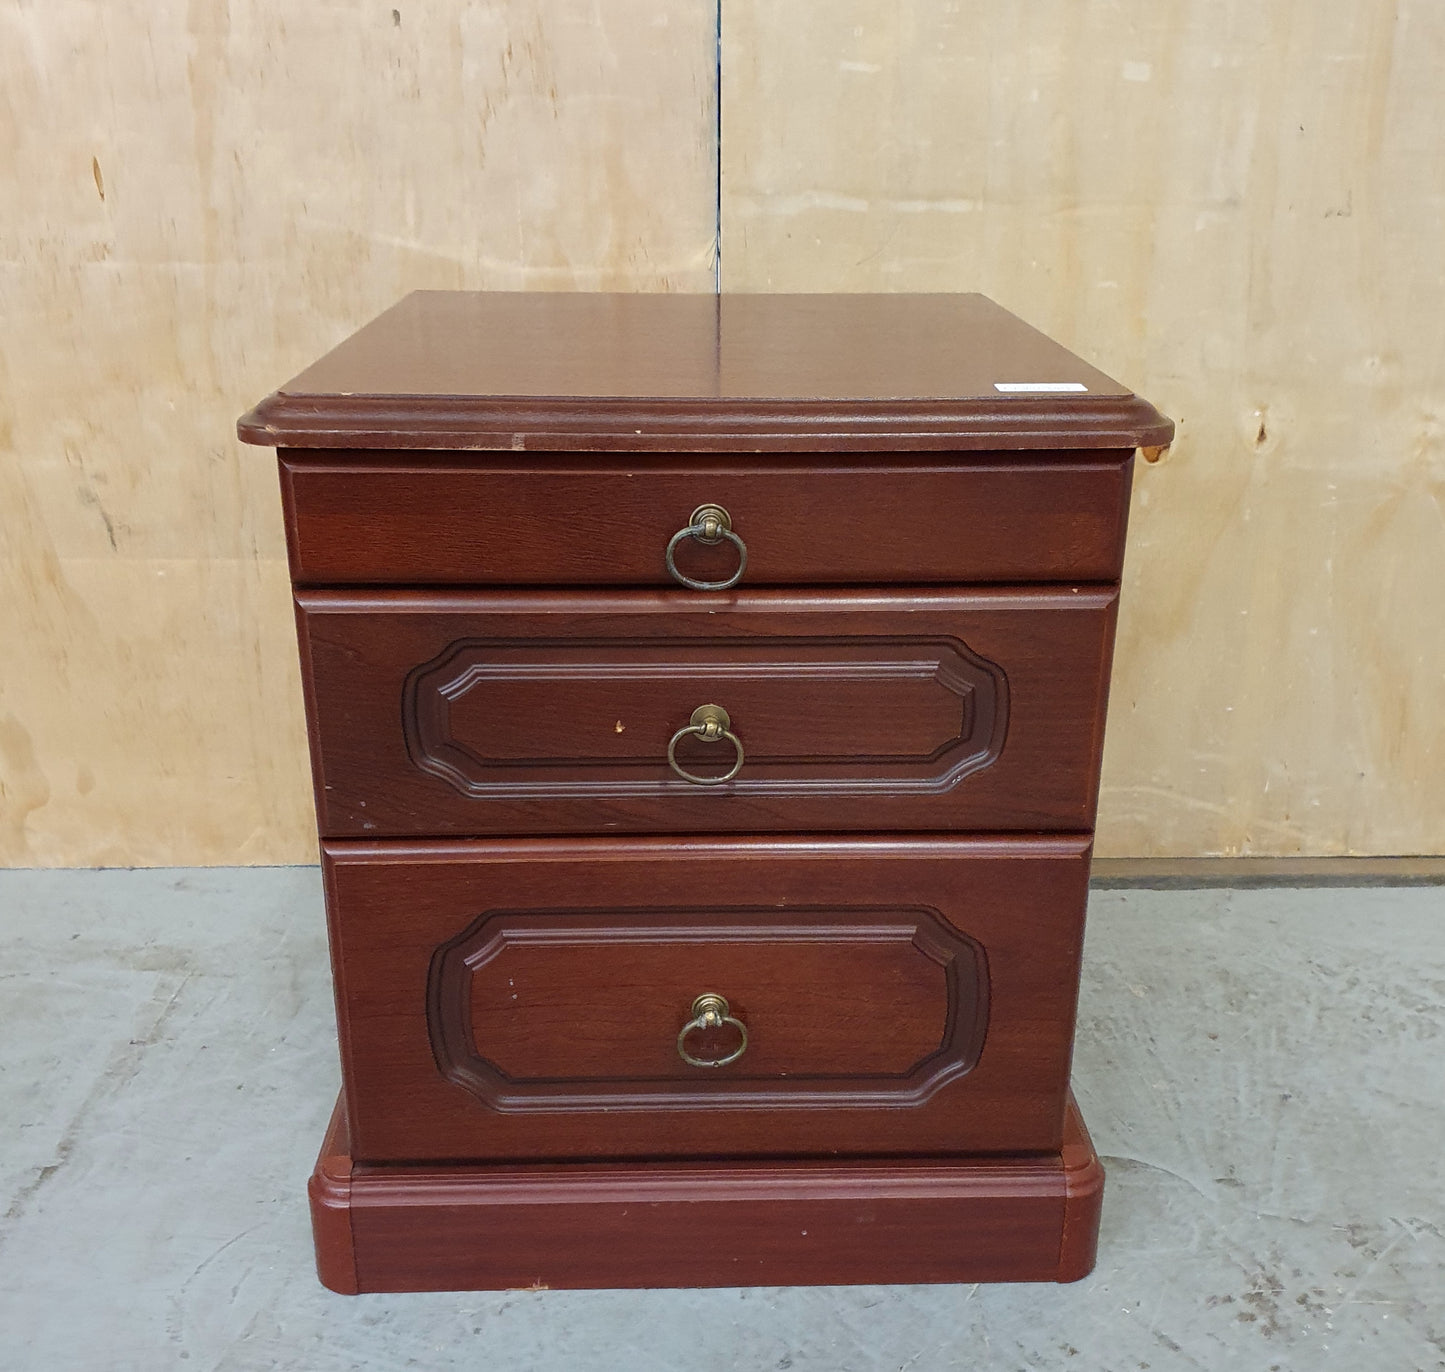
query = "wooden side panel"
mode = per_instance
[
  {"x": 1237, "y": 211},
  {"x": 199, "y": 199},
  {"x": 329, "y": 1192},
  {"x": 1083, "y": 1199},
  {"x": 439, "y": 714},
  {"x": 859, "y": 1049}
]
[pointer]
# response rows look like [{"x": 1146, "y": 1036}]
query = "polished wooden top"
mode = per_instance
[{"x": 548, "y": 370}]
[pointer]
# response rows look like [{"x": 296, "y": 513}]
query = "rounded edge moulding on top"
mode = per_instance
[{"x": 563, "y": 371}]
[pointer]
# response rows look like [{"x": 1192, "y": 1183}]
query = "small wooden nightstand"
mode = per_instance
[{"x": 706, "y": 698}]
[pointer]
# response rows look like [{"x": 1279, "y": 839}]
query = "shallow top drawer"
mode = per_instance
[{"x": 379, "y": 518}]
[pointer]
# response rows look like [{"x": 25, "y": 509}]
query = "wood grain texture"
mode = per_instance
[
  {"x": 1084, "y": 1199},
  {"x": 390, "y": 518},
  {"x": 830, "y": 373},
  {"x": 1237, "y": 210},
  {"x": 394, "y": 906},
  {"x": 550, "y": 1011},
  {"x": 199, "y": 199},
  {"x": 915, "y": 709},
  {"x": 329, "y": 1192},
  {"x": 717, "y": 1224}
]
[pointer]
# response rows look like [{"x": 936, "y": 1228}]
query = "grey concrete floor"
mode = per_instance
[{"x": 1263, "y": 1071}]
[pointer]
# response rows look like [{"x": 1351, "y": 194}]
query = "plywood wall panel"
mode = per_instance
[
  {"x": 199, "y": 198},
  {"x": 1237, "y": 208}
]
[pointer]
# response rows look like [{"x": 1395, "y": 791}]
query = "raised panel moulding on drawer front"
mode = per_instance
[
  {"x": 845, "y": 715},
  {"x": 580, "y": 1010}
]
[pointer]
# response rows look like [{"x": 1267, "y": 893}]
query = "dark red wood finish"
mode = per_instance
[
  {"x": 524, "y": 712},
  {"x": 329, "y": 1191},
  {"x": 861, "y": 967},
  {"x": 479, "y": 490},
  {"x": 548, "y": 1010},
  {"x": 553, "y": 520},
  {"x": 1023, "y": 1217},
  {"x": 675, "y": 373}
]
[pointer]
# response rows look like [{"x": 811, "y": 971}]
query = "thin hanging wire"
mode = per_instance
[{"x": 717, "y": 158}]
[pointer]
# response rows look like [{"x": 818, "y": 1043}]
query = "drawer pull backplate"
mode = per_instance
[
  {"x": 709, "y": 723},
  {"x": 711, "y": 1011},
  {"x": 709, "y": 524}
]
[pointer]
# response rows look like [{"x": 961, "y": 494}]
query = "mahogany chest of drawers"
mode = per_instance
[{"x": 706, "y": 697}]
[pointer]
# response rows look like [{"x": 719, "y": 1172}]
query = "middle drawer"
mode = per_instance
[{"x": 527, "y": 712}]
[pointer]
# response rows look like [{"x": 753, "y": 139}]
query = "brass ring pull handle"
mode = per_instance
[
  {"x": 709, "y": 524},
  {"x": 711, "y": 1011},
  {"x": 709, "y": 723}
]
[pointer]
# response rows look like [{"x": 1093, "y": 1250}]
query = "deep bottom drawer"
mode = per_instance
[{"x": 550, "y": 998}]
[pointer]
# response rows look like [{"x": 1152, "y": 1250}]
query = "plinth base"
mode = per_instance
[{"x": 1025, "y": 1217}]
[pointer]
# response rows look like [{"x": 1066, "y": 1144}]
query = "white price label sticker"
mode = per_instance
[{"x": 1040, "y": 387}]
